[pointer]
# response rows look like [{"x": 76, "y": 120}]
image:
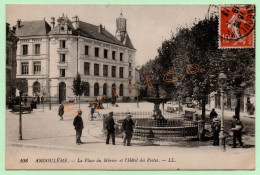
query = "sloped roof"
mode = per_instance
[
  {"x": 33, "y": 28},
  {"x": 41, "y": 27},
  {"x": 92, "y": 31}
]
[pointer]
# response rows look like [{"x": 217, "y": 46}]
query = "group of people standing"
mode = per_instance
[
  {"x": 236, "y": 127},
  {"x": 127, "y": 126}
]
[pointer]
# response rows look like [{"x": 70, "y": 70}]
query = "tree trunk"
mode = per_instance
[
  {"x": 203, "y": 109},
  {"x": 79, "y": 102},
  {"x": 237, "y": 109}
]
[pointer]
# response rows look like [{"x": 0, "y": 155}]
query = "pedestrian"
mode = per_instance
[
  {"x": 79, "y": 126},
  {"x": 213, "y": 114},
  {"x": 42, "y": 99},
  {"x": 215, "y": 130},
  {"x": 61, "y": 111},
  {"x": 92, "y": 111},
  {"x": 237, "y": 127},
  {"x": 25, "y": 101},
  {"x": 33, "y": 104},
  {"x": 110, "y": 127},
  {"x": 38, "y": 99},
  {"x": 128, "y": 125}
]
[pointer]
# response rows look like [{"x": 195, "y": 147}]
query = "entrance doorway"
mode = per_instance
[{"x": 62, "y": 92}]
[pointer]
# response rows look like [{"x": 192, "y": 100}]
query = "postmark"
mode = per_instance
[{"x": 236, "y": 26}]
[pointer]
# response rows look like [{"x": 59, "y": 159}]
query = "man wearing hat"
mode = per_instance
[
  {"x": 110, "y": 128},
  {"x": 237, "y": 127},
  {"x": 78, "y": 124},
  {"x": 215, "y": 129},
  {"x": 128, "y": 125}
]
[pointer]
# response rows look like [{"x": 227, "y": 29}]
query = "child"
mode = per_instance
[{"x": 215, "y": 129}]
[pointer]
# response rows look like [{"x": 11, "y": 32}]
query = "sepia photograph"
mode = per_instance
[{"x": 130, "y": 87}]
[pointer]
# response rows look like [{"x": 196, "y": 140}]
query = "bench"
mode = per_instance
[{"x": 16, "y": 108}]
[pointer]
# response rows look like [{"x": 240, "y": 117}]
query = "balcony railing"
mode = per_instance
[{"x": 62, "y": 50}]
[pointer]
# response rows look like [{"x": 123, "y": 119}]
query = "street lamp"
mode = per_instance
[
  {"x": 49, "y": 93},
  {"x": 20, "y": 115},
  {"x": 222, "y": 84}
]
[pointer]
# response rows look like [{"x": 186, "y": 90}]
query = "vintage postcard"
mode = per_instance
[{"x": 130, "y": 87}]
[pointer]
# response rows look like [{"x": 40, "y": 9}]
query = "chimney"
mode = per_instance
[
  {"x": 75, "y": 22},
  {"x": 52, "y": 22},
  {"x": 100, "y": 28},
  {"x": 19, "y": 23}
]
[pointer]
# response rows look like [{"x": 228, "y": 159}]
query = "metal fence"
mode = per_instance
[{"x": 160, "y": 132}]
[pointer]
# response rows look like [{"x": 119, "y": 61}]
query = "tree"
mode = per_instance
[
  {"x": 199, "y": 45},
  {"x": 78, "y": 86},
  {"x": 21, "y": 84}
]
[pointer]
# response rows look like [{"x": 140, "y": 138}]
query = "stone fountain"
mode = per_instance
[{"x": 157, "y": 101}]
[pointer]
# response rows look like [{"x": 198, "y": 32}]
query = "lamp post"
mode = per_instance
[
  {"x": 49, "y": 81},
  {"x": 222, "y": 84},
  {"x": 20, "y": 115}
]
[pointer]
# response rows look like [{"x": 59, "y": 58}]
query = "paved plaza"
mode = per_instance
[{"x": 45, "y": 135}]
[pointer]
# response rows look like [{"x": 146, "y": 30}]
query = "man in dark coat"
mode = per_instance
[
  {"x": 78, "y": 124},
  {"x": 25, "y": 101},
  {"x": 215, "y": 129},
  {"x": 128, "y": 125},
  {"x": 213, "y": 114},
  {"x": 110, "y": 128},
  {"x": 38, "y": 99},
  {"x": 61, "y": 111},
  {"x": 237, "y": 127},
  {"x": 33, "y": 104},
  {"x": 42, "y": 100}
]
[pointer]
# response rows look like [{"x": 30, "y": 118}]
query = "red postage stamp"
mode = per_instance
[{"x": 236, "y": 26}]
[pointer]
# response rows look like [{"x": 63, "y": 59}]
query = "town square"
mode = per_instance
[{"x": 121, "y": 87}]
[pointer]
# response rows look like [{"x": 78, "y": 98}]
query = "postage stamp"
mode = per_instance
[{"x": 236, "y": 26}]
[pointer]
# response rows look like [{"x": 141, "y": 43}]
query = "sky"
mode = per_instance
[{"x": 147, "y": 25}]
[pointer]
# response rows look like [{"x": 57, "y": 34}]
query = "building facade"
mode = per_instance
[
  {"x": 11, "y": 41},
  {"x": 50, "y": 56}
]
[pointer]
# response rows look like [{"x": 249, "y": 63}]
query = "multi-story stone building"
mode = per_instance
[
  {"x": 11, "y": 41},
  {"x": 50, "y": 56}
]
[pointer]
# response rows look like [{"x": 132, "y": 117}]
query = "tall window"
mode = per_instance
[
  {"x": 130, "y": 73},
  {"x": 105, "y": 53},
  {"x": 62, "y": 58},
  {"x": 37, "y": 49},
  {"x": 105, "y": 89},
  {"x": 62, "y": 44},
  {"x": 121, "y": 73},
  {"x": 113, "y": 55},
  {"x": 96, "y": 69},
  {"x": 96, "y": 52},
  {"x": 37, "y": 68},
  {"x": 121, "y": 90},
  {"x": 25, "y": 69},
  {"x": 62, "y": 72},
  {"x": 86, "y": 89},
  {"x": 113, "y": 71},
  {"x": 86, "y": 50},
  {"x": 96, "y": 89},
  {"x": 36, "y": 87},
  {"x": 25, "y": 49},
  {"x": 121, "y": 56},
  {"x": 130, "y": 64},
  {"x": 105, "y": 70},
  {"x": 86, "y": 68}
]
